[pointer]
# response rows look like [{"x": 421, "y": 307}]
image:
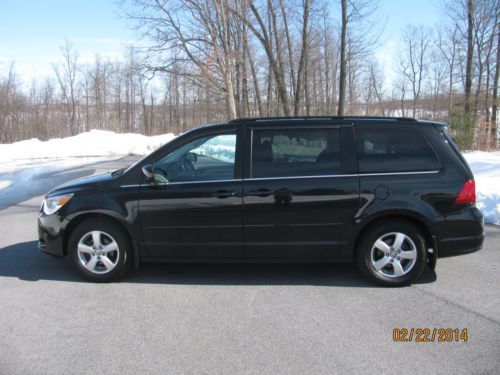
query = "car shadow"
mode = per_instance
[{"x": 26, "y": 262}]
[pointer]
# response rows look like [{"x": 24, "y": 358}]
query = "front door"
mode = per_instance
[
  {"x": 195, "y": 207},
  {"x": 298, "y": 197}
]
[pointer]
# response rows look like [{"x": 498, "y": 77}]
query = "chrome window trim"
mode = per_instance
[
  {"x": 398, "y": 173},
  {"x": 287, "y": 178},
  {"x": 341, "y": 175},
  {"x": 299, "y": 177},
  {"x": 199, "y": 182},
  {"x": 181, "y": 183},
  {"x": 295, "y": 127}
]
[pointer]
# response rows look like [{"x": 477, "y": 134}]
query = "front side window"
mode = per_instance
[
  {"x": 203, "y": 159},
  {"x": 295, "y": 152},
  {"x": 390, "y": 149}
]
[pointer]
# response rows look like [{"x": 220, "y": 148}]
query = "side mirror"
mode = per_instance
[
  {"x": 193, "y": 158},
  {"x": 149, "y": 172}
]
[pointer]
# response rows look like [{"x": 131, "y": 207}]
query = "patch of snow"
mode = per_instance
[
  {"x": 486, "y": 169},
  {"x": 4, "y": 184},
  {"x": 47, "y": 165},
  {"x": 81, "y": 149},
  {"x": 92, "y": 143}
]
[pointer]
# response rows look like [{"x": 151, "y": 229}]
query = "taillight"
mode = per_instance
[{"x": 468, "y": 193}]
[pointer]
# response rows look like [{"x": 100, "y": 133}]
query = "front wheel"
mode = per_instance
[
  {"x": 99, "y": 250},
  {"x": 392, "y": 253}
]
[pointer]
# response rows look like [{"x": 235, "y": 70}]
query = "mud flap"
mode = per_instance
[{"x": 432, "y": 254}]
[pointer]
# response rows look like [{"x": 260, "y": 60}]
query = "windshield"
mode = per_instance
[{"x": 144, "y": 157}]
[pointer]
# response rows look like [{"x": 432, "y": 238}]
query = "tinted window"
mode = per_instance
[
  {"x": 390, "y": 149},
  {"x": 203, "y": 159},
  {"x": 295, "y": 152}
]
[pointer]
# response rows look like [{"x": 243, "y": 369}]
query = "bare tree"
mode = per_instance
[
  {"x": 448, "y": 45},
  {"x": 203, "y": 37},
  {"x": 436, "y": 74},
  {"x": 264, "y": 35},
  {"x": 374, "y": 91},
  {"x": 209, "y": 61},
  {"x": 343, "y": 59},
  {"x": 8, "y": 87},
  {"x": 413, "y": 59},
  {"x": 303, "y": 57},
  {"x": 66, "y": 74},
  {"x": 470, "y": 55},
  {"x": 494, "y": 111}
]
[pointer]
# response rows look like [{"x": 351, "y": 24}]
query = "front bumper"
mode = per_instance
[{"x": 50, "y": 235}]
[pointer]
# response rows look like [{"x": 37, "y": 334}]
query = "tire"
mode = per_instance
[
  {"x": 384, "y": 261},
  {"x": 109, "y": 260}
]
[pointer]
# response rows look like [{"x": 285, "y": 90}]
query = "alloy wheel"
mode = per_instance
[
  {"x": 393, "y": 254},
  {"x": 98, "y": 252}
]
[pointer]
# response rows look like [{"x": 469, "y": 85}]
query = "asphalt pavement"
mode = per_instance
[{"x": 234, "y": 319}]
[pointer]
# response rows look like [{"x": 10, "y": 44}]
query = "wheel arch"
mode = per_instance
[
  {"x": 408, "y": 216},
  {"x": 75, "y": 221}
]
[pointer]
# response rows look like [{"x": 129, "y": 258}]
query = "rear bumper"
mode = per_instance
[
  {"x": 460, "y": 245},
  {"x": 463, "y": 234}
]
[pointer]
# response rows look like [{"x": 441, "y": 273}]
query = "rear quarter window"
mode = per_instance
[{"x": 392, "y": 149}]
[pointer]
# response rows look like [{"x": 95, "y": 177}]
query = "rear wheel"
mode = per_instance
[
  {"x": 99, "y": 250},
  {"x": 392, "y": 253}
]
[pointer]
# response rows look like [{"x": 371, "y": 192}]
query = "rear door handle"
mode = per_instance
[
  {"x": 224, "y": 194},
  {"x": 261, "y": 192}
]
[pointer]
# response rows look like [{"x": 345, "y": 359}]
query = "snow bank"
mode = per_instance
[
  {"x": 82, "y": 149},
  {"x": 486, "y": 169},
  {"x": 92, "y": 143},
  {"x": 4, "y": 184}
]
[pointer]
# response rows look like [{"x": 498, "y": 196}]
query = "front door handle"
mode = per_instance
[
  {"x": 261, "y": 192},
  {"x": 224, "y": 194}
]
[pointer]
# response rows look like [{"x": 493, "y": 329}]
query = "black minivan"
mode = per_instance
[{"x": 393, "y": 194}]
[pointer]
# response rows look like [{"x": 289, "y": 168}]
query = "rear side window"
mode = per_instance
[
  {"x": 391, "y": 149},
  {"x": 455, "y": 150},
  {"x": 295, "y": 152}
]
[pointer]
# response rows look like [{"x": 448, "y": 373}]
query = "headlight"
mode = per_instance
[{"x": 52, "y": 204}]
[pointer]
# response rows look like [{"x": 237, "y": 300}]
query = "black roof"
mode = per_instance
[{"x": 317, "y": 119}]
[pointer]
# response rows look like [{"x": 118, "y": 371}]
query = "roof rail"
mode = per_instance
[
  {"x": 312, "y": 118},
  {"x": 280, "y": 118},
  {"x": 406, "y": 119}
]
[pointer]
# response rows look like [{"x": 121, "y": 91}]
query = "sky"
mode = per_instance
[{"x": 32, "y": 31}]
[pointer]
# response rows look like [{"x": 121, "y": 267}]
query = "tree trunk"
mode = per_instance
[
  {"x": 470, "y": 55},
  {"x": 254, "y": 74},
  {"x": 231, "y": 103},
  {"x": 289, "y": 47},
  {"x": 495, "y": 85},
  {"x": 302, "y": 62},
  {"x": 343, "y": 67}
]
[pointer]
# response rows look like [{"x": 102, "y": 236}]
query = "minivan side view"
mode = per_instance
[{"x": 392, "y": 194}]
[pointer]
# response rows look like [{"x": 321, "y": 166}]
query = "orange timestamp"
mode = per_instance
[{"x": 430, "y": 334}]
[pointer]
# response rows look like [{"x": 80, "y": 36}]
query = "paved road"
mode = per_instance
[
  {"x": 30, "y": 182},
  {"x": 230, "y": 319}
]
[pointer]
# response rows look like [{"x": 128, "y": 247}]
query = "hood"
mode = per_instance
[{"x": 84, "y": 183}]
